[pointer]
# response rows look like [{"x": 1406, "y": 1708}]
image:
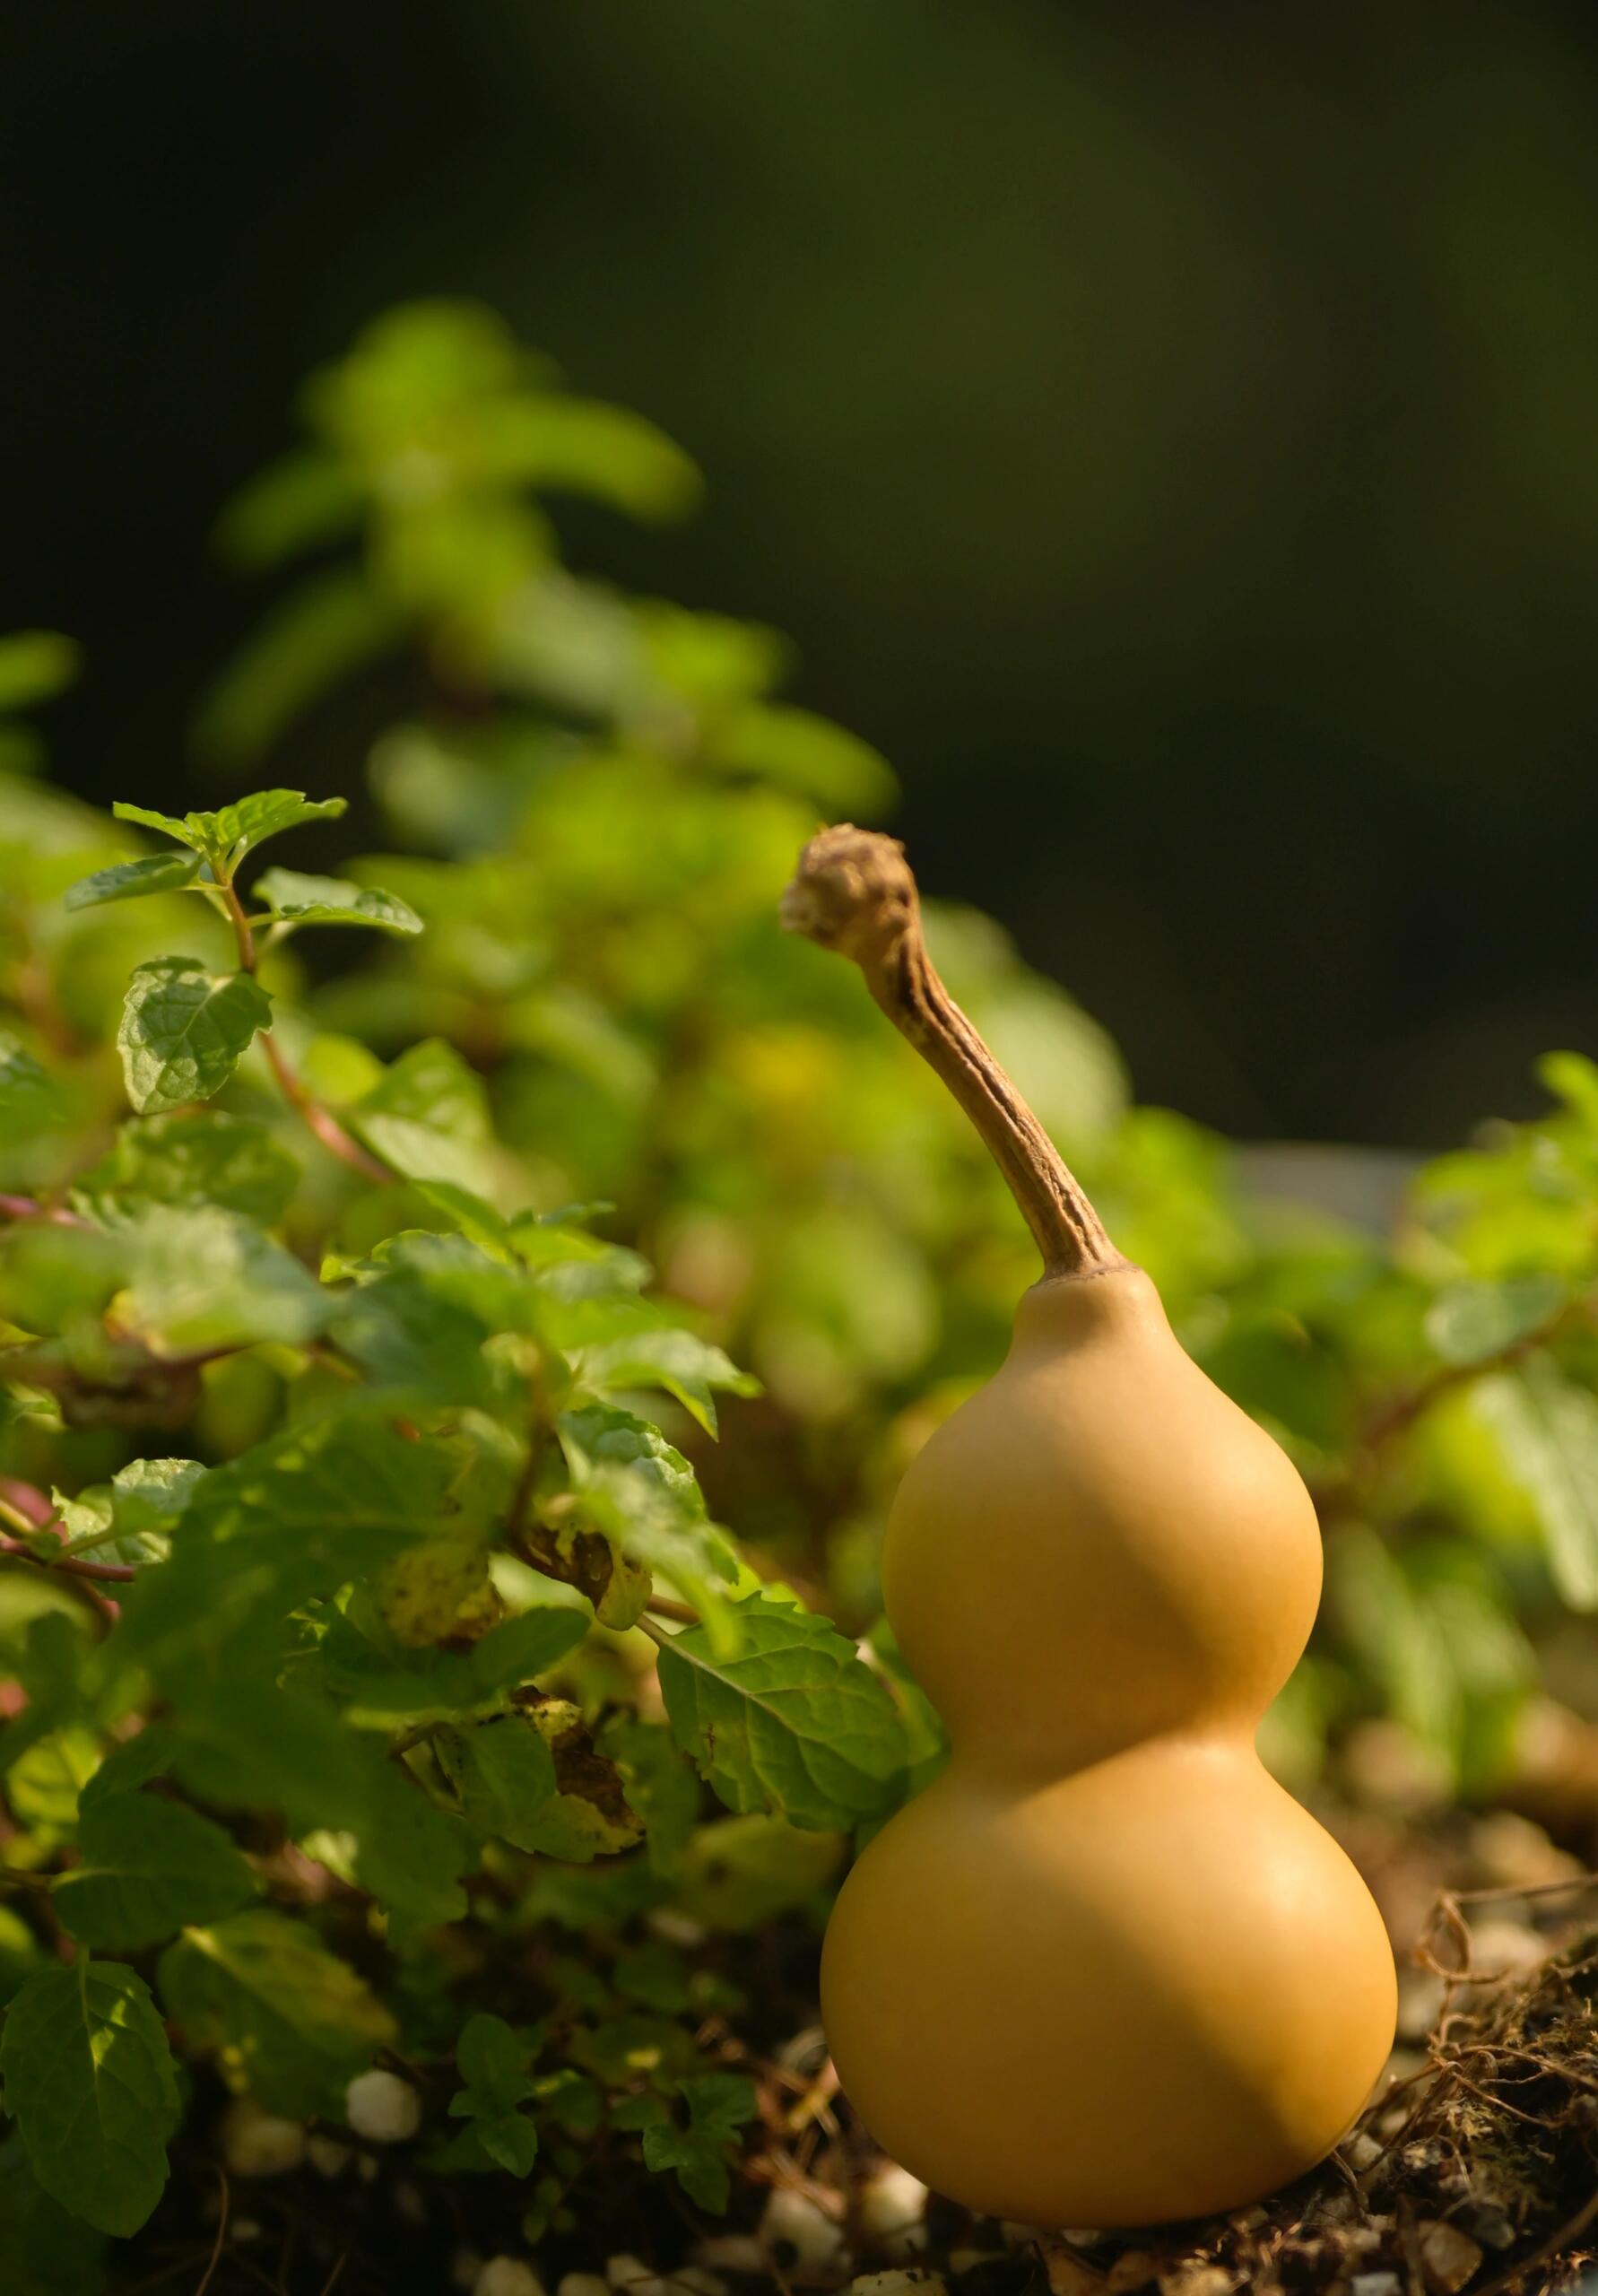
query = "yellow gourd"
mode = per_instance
[{"x": 1104, "y": 1970}]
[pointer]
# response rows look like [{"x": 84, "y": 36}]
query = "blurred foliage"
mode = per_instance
[{"x": 338, "y": 1359}]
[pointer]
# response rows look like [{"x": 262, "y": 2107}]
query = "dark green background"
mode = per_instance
[{"x": 1170, "y": 432}]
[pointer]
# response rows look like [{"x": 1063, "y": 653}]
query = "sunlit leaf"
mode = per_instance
[
  {"x": 91, "y": 2083},
  {"x": 332, "y": 900},
  {"x": 183, "y": 1030},
  {"x": 288, "y": 2022},
  {"x": 36, "y": 664},
  {"x": 157, "y": 873},
  {"x": 792, "y": 1722}
]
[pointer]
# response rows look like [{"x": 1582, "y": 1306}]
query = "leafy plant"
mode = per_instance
[{"x": 366, "y": 1586}]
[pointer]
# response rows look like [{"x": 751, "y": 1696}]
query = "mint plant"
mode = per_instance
[
  {"x": 383, "y": 1660},
  {"x": 417, "y": 1642}
]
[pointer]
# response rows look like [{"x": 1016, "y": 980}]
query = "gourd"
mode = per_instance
[{"x": 1104, "y": 1970}]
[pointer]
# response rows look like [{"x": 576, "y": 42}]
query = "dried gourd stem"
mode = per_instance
[{"x": 854, "y": 891}]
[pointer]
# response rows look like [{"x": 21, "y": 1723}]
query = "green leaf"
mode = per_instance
[
  {"x": 183, "y": 1030},
  {"x": 410, "y": 1855},
  {"x": 129, "y": 1766},
  {"x": 413, "y": 1340},
  {"x": 475, "y": 1218},
  {"x": 91, "y": 2083},
  {"x": 1574, "y": 1078},
  {"x": 332, "y": 900},
  {"x": 1469, "y": 1323},
  {"x": 53, "y": 1277},
  {"x": 617, "y": 2051},
  {"x": 183, "y": 827},
  {"x": 926, "y": 1742},
  {"x": 1433, "y": 1629},
  {"x": 663, "y": 1355},
  {"x": 49, "y": 1665},
  {"x": 149, "y": 1867},
  {"x": 46, "y": 2252},
  {"x": 796, "y": 750},
  {"x": 739, "y": 1874},
  {"x": 287, "y": 1523},
  {"x": 158, "y": 872},
  {"x": 203, "y": 1156},
  {"x": 29, "y": 1098},
  {"x": 197, "y": 1277},
  {"x": 299, "y": 502},
  {"x": 1547, "y": 1431},
  {"x": 229, "y": 834},
  {"x": 446, "y": 1685},
  {"x": 428, "y": 1116},
  {"x": 644, "y": 1495},
  {"x": 21, "y": 1954},
  {"x": 660, "y": 1785},
  {"x": 289, "y": 2024},
  {"x": 35, "y": 664},
  {"x": 792, "y": 1722},
  {"x": 718, "y": 2105},
  {"x": 570, "y": 1264},
  {"x": 333, "y": 623},
  {"x": 501, "y": 1783},
  {"x": 505, "y": 1774},
  {"x": 128, "y": 1520},
  {"x": 47, "y": 1779},
  {"x": 493, "y": 2065}
]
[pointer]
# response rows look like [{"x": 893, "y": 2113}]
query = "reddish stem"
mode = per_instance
[
  {"x": 319, "y": 1120},
  {"x": 24, "y": 1207},
  {"x": 322, "y": 1121},
  {"x": 76, "y": 1565}
]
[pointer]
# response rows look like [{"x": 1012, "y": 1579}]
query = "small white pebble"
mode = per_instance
[
  {"x": 1497, "y": 1947},
  {"x": 899, "y": 2284},
  {"x": 506, "y": 2276},
  {"x": 583, "y": 2283},
  {"x": 1420, "y": 2002},
  {"x": 729, "y": 2252},
  {"x": 893, "y": 2212},
  {"x": 632, "y": 2274},
  {"x": 256, "y": 2143},
  {"x": 327, "y": 2155},
  {"x": 1373, "y": 2284},
  {"x": 1196, "y": 2280},
  {"x": 675, "y": 1928},
  {"x": 792, "y": 2220},
  {"x": 1362, "y": 2151},
  {"x": 1513, "y": 1852},
  {"x": 382, "y": 2107}
]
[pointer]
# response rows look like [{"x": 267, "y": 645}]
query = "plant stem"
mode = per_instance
[
  {"x": 24, "y": 1207},
  {"x": 1339, "y": 1492},
  {"x": 854, "y": 891},
  {"x": 320, "y": 1121},
  {"x": 74, "y": 1566}
]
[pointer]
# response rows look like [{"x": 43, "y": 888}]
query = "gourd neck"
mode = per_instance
[{"x": 854, "y": 891}]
